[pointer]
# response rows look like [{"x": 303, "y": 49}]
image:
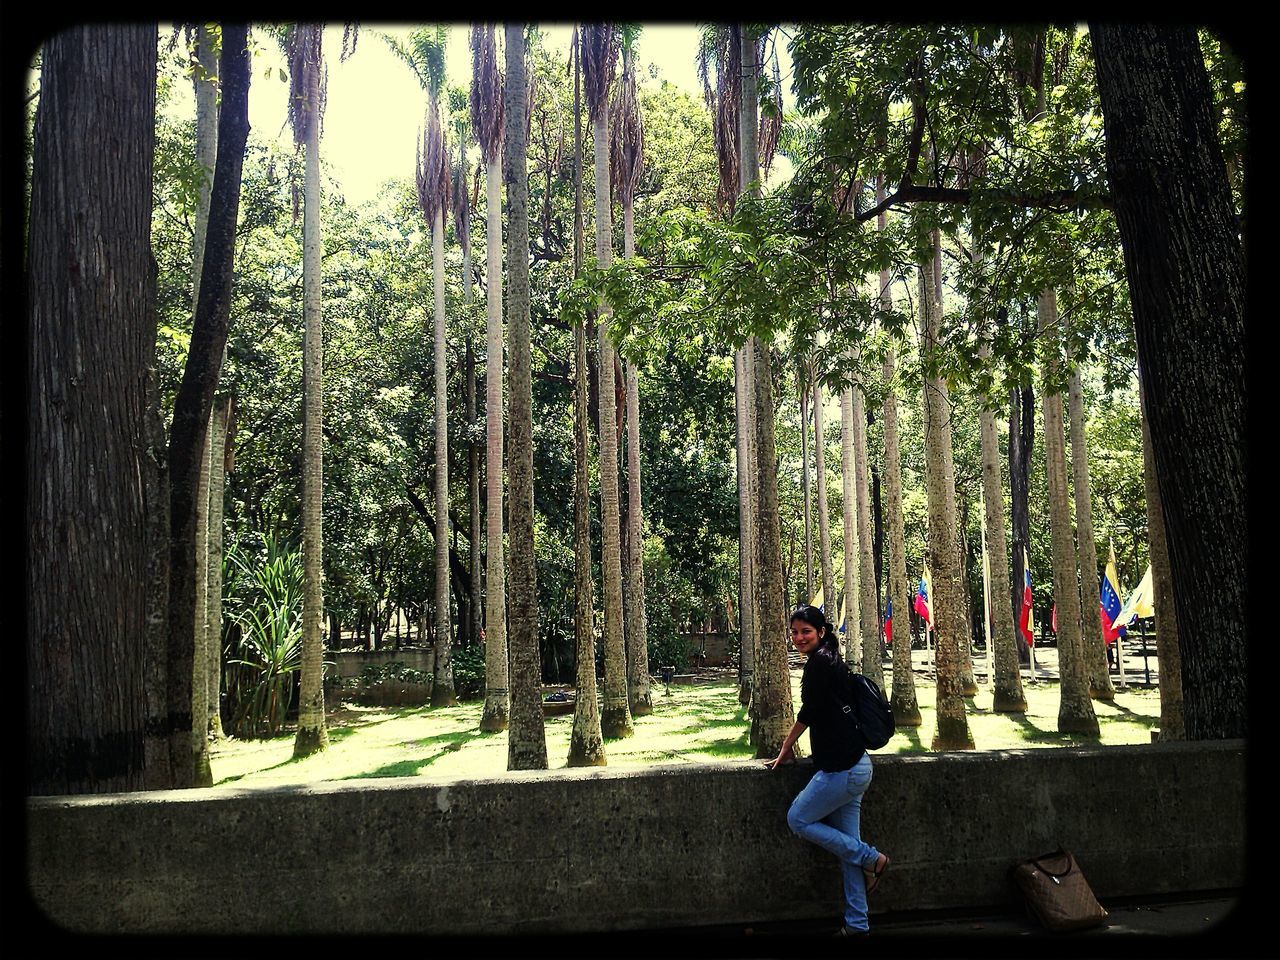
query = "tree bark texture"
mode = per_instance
[
  {"x": 943, "y": 551},
  {"x": 803, "y": 392},
  {"x": 1172, "y": 721},
  {"x": 474, "y": 609},
  {"x": 1075, "y": 710},
  {"x": 640, "y": 697},
  {"x": 867, "y": 606},
  {"x": 615, "y": 720},
  {"x": 824, "y": 524},
  {"x": 217, "y": 490},
  {"x": 1007, "y": 695},
  {"x": 1022, "y": 423},
  {"x": 312, "y": 734},
  {"x": 442, "y": 692},
  {"x": 497, "y": 704},
  {"x": 526, "y": 737},
  {"x": 1095, "y": 650},
  {"x": 1185, "y": 266},
  {"x": 157, "y": 768},
  {"x": 848, "y": 509},
  {"x": 91, "y": 283}
]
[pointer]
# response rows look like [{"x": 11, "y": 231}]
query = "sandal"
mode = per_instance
[{"x": 873, "y": 876}]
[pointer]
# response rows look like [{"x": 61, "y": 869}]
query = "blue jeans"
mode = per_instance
[{"x": 826, "y": 812}]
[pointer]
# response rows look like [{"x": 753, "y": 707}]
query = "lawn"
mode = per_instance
[{"x": 695, "y": 724}]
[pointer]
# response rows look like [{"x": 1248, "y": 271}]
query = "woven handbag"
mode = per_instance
[{"x": 1056, "y": 892}]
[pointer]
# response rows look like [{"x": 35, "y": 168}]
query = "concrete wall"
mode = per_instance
[
  {"x": 608, "y": 849},
  {"x": 349, "y": 663}
]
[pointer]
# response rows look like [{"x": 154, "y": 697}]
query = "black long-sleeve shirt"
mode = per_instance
[{"x": 834, "y": 738}]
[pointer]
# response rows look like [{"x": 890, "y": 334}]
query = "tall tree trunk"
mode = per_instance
[
  {"x": 89, "y": 260},
  {"x": 1095, "y": 650},
  {"x": 802, "y": 388},
  {"x": 312, "y": 734},
  {"x": 157, "y": 768},
  {"x": 944, "y": 546},
  {"x": 586, "y": 743},
  {"x": 217, "y": 485},
  {"x": 474, "y": 609},
  {"x": 442, "y": 692},
  {"x": 748, "y": 636},
  {"x": 824, "y": 525},
  {"x": 526, "y": 738},
  {"x": 615, "y": 719},
  {"x": 870, "y": 616},
  {"x": 1007, "y": 696},
  {"x": 639, "y": 693},
  {"x": 1075, "y": 711},
  {"x": 1022, "y": 425},
  {"x": 772, "y": 693},
  {"x": 849, "y": 510},
  {"x": 1185, "y": 264},
  {"x": 1172, "y": 722},
  {"x": 496, "y": 698}
]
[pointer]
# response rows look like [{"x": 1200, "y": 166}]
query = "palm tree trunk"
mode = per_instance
[
  {"x": 1095, "y": 651},
  {"x": 944, "y": 547},
  {"x": 1075, "y": 711},
  {"x": 1172, "y": 723},
  {"x": 496, "y": 699},
  {"x": 474, "y": 610},
  {"x": 802, "y": 383},
  {"x": 1008, "y": 696},
  {"x": 824, "y": 526},
  {"x": 312, "y": 733},
  {"x": 217, "y": 483},
  {"x": 640, "y": 695},
  {"x": 849, "y": 511},
  {"x": 615, "y": 719},
  {"x": 902, "y": 700},
  {"x": 526, "y": 739},
  {"x": 747, "y": 634},
  {"x": 442, "y": 692},
  {"x": 871, "y": 659}
]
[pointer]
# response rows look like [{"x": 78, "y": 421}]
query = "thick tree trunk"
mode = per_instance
[
  {"x": 442, "y": 692},
  {"x": 944, "y": 546},
  {"x": 1095, "y": 651},
  {"x": 496, "y": 698},
  {"x": 1007, "y": 694},
  {"x": 312, "y": 734},
  {"x": 748, "y": 637},
  {"x": 824, "y": 525},
  {"x": 1186, "y": 271},
  {"x": 868, "y": 608},
  {"x": 91, "y": 283},
  {"x": 638, "y": 691},
  {"x": 1172, "y": 722},
  {"x": 526, "y": 738},
  {"x": 1075, "y": 711},
  {"x": 615, "y": 720},
  {"x": 217, "y": 485},
  {"x": 157, "y": 769}
]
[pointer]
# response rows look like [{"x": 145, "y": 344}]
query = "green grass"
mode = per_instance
[{"x": 695, "y": 724}]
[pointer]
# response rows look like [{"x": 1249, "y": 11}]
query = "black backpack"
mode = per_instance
[{"x": 868, "y": 709}]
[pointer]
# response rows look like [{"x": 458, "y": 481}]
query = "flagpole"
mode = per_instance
[{"x": 1124, "y": 683}]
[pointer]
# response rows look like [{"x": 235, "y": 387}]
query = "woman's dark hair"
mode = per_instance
[{"x": 818, "y": 620}]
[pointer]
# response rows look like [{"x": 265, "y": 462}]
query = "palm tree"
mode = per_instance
[
  {"x": 487, "y": 121},
  {"x": 1075, "y": 710},
  {"x": 774, "y": 714},
  {"x": 217, "y": 481},
  {"x": 586, "y": 743},
  {"x": 600, "y": 44},
  {"x": 871, "y": 666},
  {"x": 802, "y": 391},
  {"x": 824, "y": 525},
  {"x": 902, "y": 699},
  {"x": 526, "y": 739},
  {"x": 849, "y": 516},
  {"x": 426, "y": 57},
  {"x": 1095, "y": 651},
  {"x": 627, "y": 157},
  {"x": 944, "y": 546},
  {"x": 306, "y": 108}
]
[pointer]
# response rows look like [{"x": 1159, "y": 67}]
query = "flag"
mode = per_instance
[
  {"x": 888, "y": 622},
  {"x": 817, "y": 600},
  {"x": 1026, "y": 618},
  {"x": 1053, "y": 618},
  {"x": 1139, "y": 603},
  {"x": 924, "y": 593},
  {"x": 842, "y": 600},
  {"x": 1109, "y": 600}
]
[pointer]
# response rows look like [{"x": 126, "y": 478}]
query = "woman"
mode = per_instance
[{"x": 827, "y": 810}]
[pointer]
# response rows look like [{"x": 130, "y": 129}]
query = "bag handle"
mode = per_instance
[{"x": 1061, "y": 851}]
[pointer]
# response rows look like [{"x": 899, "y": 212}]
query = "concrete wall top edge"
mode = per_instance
[{"x": 737, "y": 768}]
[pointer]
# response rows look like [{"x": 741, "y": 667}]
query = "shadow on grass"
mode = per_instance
[
  {"x": 913, "y": 740},
  {"x": 728, "y": 747},
  {"x": 276, "y": 766},
  {"x": 1125, "y": 714},
  {"x": 411, "y": 767},
  {"x": 1033, "y": 734}
]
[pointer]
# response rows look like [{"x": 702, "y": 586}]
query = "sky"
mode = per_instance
[{"x": 375, "y": 104}]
